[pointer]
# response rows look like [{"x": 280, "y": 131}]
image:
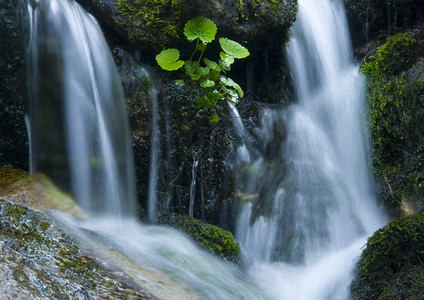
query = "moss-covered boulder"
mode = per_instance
[
  {"x": 396, "y": 96},
  {"x": 210, "y": 237},
  {"x": 392, "y": 264}
]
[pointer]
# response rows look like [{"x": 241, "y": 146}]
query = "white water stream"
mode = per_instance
[
  {"x": 78, "y": 115},
  {"x": 306, "y": 198},
  {"x": 303, "y": 186}
]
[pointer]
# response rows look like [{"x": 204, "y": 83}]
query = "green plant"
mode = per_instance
[{"x": 215, "y": 85}]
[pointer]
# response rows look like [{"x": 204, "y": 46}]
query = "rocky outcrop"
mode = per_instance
[
  {"x": 38, "y": 258},
  {"x": 392, "y": 264},
  {"x": 396, "y": 95}
]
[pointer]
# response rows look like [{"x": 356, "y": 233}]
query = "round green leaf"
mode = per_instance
[
  {"x": 233, "y": 48},
  {"x": 201, "y": 28},
  {"x": 168, "y": 59}
]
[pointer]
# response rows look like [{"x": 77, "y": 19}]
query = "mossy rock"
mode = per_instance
[
  {"x": 392, "y": 264},
  {"x": 39, "y": 260},
  {"x": 210, "y": 237},
  {"x": 36, "y": 192},
  {"x": 396, "y": 97},
  {"x": 159, "y": 23}
]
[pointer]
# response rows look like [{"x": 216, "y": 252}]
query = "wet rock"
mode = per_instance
[
  {"x": 13, "y": 98},
  {"x": 39, "y": 260}
]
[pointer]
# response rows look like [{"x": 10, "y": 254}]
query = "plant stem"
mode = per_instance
[{"x": 195, "y": 48}]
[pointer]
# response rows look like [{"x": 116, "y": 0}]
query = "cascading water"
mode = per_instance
[
  {"x": 193, "y": 188},
  {"x": 305, "y": 196},
  {"x": 78, "y": 116},
  {"x": 303, "y": 186},
  {"x": 71, "y": 72},
  {"x": 154, "y": 158}
]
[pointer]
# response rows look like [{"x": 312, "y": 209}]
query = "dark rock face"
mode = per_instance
[
  {"x": 377, "y": 19},
  {"x": 13, "y": 98},
  {"x": 143, "y": 29},
  {"x": 260, "y": 25}
]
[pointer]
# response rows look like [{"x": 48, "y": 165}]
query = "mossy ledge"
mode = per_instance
[
  {"x": 392, "y": 265},
  {"x": 210, "y": 237}
]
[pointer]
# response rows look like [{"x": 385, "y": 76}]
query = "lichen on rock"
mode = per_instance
[{"x": 39, "y": 260}]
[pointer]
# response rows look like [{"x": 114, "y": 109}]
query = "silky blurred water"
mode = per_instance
[
  {"x": 302, "y": 179},
  {"x": 306, "y": 198},
  {"x": 78, "y": 117}
]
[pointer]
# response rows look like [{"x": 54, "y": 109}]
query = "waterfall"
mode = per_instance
[
  {"x": 193, "y": 188},
  {"x": 79, "y": 126},
  {"x": 305, "y": 191},
  {"x": 154, "y": 158},
  {"x": 302, "y": 180}
]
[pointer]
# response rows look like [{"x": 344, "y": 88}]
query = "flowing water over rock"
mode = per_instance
[
  {"x": 79, "y": 127},
  {"x": 303, "y": 185},
  {"x": 78, "y": 118},
  {"x": 306, "y": 200}
]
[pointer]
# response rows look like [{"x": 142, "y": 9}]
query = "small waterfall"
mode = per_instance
[
  {"x": 301, "y": 176},
  {"x": 304, "y": 186},
  {"x": 154, "y": 158},
  {"x": 79, "y": 126},
  {"x": 193, "y": 188}
]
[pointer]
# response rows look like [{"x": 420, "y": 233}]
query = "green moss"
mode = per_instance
[
  {"x": 392, "y": 265},
  {"x": 210, "y": 237},
  {"x": 397, "y": 116},
  {"x": 163, "y": 16}
]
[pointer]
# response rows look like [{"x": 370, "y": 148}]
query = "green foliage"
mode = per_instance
[
  {"x": 233, "y": 49},
  {"x": 210, "y": 237},
  {"x": 392, "y": 265},
  {"x": 200, "y": 28},
  {"x": 168, "y": 60},
  {"x": 209, "y": 76}
]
